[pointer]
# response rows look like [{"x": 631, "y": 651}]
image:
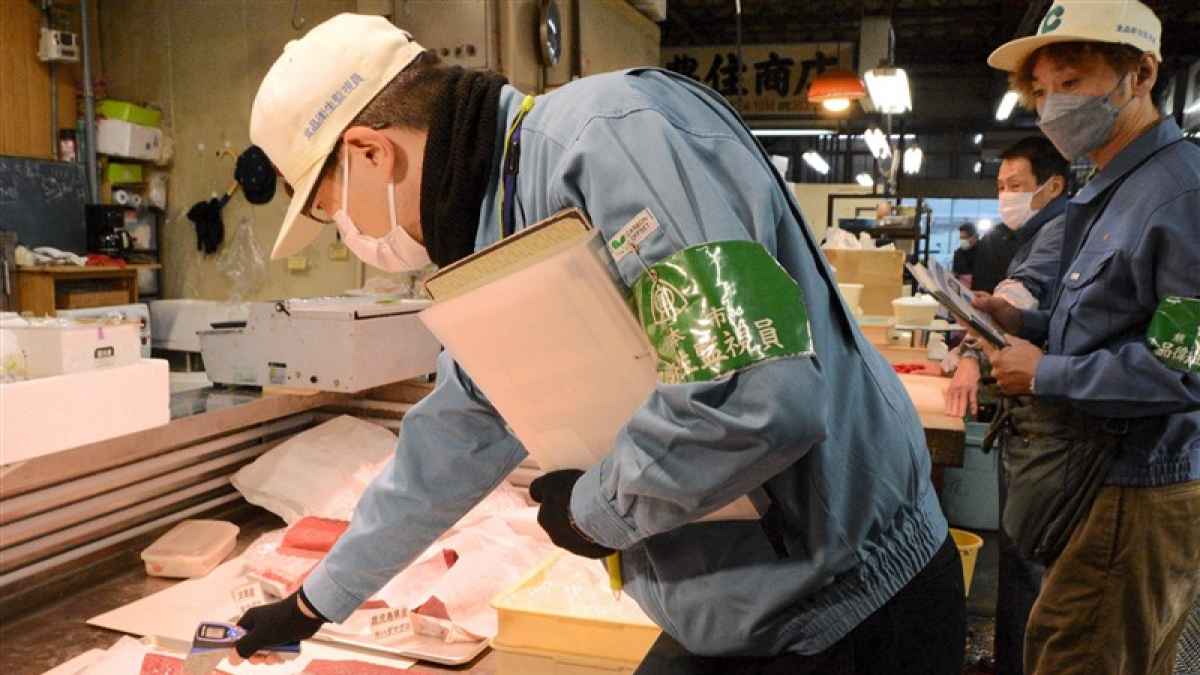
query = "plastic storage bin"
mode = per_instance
[
  {"x": 533, "y": 642},
  {"x": 120, "y": 174},
  {"x": 971, "y": 494},
  {"x": 128, "y": 112},
  {"x": 60, "y": 350},
  {"x": 193, "y": 548}
]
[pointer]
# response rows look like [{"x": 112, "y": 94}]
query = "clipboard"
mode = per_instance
[{"x": 956, "y": 298}]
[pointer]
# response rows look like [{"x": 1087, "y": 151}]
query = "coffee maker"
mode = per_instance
[{"x": 106, "y": 231}]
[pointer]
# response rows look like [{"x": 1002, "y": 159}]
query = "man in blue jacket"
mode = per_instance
[
  {"x": 851, "y": 571},
  {"x": 1117, "y": 597}
]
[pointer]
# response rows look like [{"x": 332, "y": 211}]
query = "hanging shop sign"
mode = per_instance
[{"x": 772, "y": 79}]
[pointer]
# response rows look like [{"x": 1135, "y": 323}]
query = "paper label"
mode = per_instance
[
  {"x": 633, "y": 234},
  {"x": 713, "y": 309},
  {"x": 247, "y": 596},
  {"x": 1174, "y": 334},
  {"x": 391, "y": 625},
  {"x": 277, "y": 373}
]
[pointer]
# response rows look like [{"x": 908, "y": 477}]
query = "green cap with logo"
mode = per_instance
[{"x": 1126, "y": 22}]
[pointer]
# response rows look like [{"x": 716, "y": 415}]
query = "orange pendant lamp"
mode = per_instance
[{"x": 835, "y": 88}]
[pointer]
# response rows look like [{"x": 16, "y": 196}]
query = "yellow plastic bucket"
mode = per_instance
[{"x": 968, "y": 549}]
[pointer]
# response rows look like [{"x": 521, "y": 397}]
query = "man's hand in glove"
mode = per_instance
[
  {"x": 553, "y": 492},
  {"x": 289, "y": 620}
]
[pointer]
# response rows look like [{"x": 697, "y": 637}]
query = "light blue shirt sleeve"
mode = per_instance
[
  {"x": 1125, "y": 379},
  {"x": 453, "y": 451},
  {"x": 691, "y": 448}
]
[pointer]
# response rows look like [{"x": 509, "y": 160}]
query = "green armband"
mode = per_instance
[
  {"x": 1174, "y": 334},
  {"x": 716, "y": 308}
]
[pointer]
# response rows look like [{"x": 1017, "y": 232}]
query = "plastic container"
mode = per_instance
[
  {"x": 53, "y": 349},
  {"x": 968, "y": 549},
  {"x": 118, "y": 173},
  {"x": 128, "y": 112},
  {"x": 193, "y": 548},
  {"x": 533, "y": 642},
  {"x": 918, "y": 310}
]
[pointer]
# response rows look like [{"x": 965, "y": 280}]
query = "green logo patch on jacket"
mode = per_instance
[
  {"x": 1174, "y": 333},
  {"x": 713, "y": 309}
]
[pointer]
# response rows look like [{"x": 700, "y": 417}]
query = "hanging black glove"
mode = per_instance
[
  {"x": 553, "y": 492},
  {"x": 278, "y": 623}
]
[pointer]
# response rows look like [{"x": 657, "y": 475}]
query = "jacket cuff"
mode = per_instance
[
  {"x": 1053, "y": 377},
  {"x": 594, "y": 515},
  {"x": 1035, "y": 326},
  {"x": 327, "y": 597}
]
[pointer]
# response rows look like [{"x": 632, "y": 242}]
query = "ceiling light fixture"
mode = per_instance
[
  {"x": 835, "y": 88},
  {"x": 765, "y": 133},
  {"x": 889, "y": 89},
  {"x": 878, "y": 143},
  {"x": 913, "y": 158},
  {"x": 816, "y": 161},
  {"x": 978, "y": 139},
  {"x": 865, "y": 180},
  {"x": 1007, "y": 104}
]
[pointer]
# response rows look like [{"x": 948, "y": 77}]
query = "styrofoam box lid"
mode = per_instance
[{"x": 191, "y": 539}]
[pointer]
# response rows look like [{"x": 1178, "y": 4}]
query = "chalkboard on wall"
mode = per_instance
[{"x": 42, "y": 201}]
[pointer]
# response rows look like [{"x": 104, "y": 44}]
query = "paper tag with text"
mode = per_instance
[
  {"x": 632, "y": 234},
  {"x": 247, "y": 596},
  {"x": 391, "y": 625}
]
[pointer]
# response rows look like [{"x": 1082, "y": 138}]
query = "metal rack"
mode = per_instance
[{"x": 920, "y": 233}]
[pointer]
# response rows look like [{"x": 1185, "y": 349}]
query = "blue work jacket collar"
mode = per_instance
[
  {"x": 1158, "y": 137},
  {"x": 1044, "y": 215}
]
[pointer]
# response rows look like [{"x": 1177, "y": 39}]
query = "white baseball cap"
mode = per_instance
[
  {"x": 311, "y": 94},
  {"x": 1126, "y": 22}
]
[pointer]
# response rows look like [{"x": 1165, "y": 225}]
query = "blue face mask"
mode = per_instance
[{"x": 1078, "y": 124}]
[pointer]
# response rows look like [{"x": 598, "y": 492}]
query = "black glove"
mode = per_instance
[
  {"x": 553, "y": 492},
  {"x": 278, "y": 623}
]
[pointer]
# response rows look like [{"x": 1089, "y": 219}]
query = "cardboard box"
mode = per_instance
[
  {"x": 125, "y": 139},
  {"x": 880, "y": 272}
]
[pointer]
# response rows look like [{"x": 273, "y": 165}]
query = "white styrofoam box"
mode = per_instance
[
  {"x": 51, "y": 414},
  {"x": 915, "y": 311},
  {"x": 174, "y": 323},
  {"x": 971, "y": 495},
  {"x": 193, "y": 548},
  {"x": 57, "y": 350},
  {"x": 126, "y": 139},
  {"x": 139, "y": 312}
]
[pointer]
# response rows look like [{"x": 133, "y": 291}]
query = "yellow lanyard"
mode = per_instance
[{"x": 509, "y": 166}]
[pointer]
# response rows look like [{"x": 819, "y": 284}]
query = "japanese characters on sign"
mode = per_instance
[{"x": 773, "y": 79}]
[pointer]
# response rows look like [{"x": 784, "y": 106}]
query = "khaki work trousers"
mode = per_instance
[{"x": 1116, "y": 600}]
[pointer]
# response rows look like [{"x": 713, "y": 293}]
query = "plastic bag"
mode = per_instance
[
  {"x": 320, "y": 472},
  {"x": 837, "y": 238},
  {"x": 243, "y": 262}
]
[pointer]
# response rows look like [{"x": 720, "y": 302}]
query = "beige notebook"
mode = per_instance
[{"x": 543, "y": 328}]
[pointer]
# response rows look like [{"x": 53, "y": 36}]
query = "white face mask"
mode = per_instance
[
  {"x": 396, "y": 251},
  {"x": 1016, "y": 208}
]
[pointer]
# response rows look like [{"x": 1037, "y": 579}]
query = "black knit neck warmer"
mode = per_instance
[{"x": 458, "y": 163}]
